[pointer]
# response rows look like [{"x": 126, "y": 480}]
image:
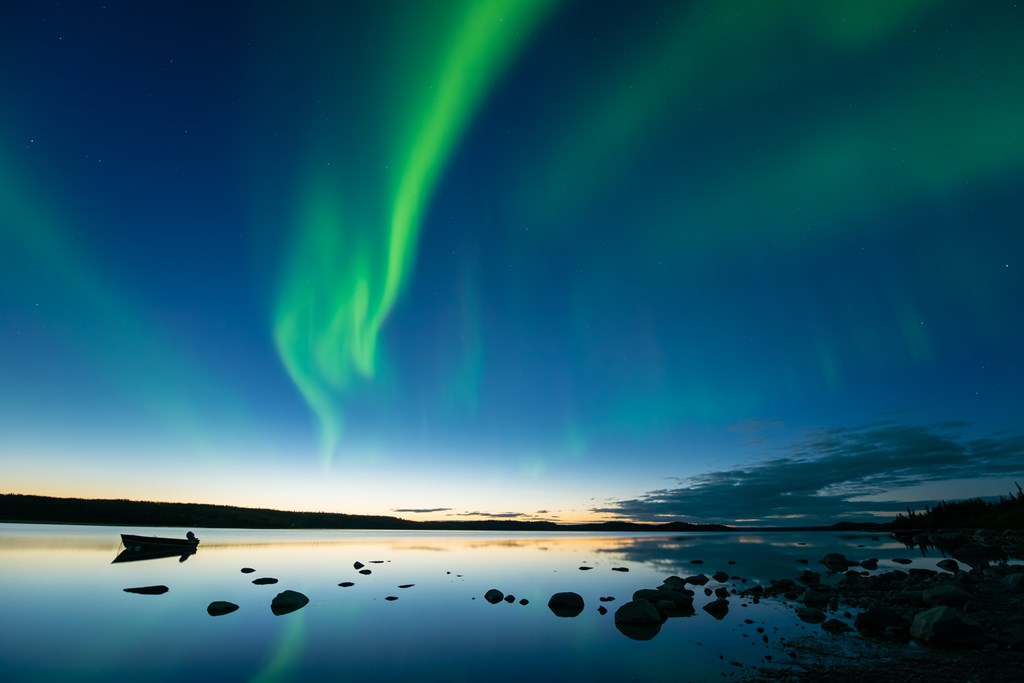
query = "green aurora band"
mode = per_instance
[{"x": 344, "y": 277}]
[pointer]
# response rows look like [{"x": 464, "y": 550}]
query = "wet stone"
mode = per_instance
[
  {"x": 219, "y": 608},
  {"x": 148, "y": 590}
]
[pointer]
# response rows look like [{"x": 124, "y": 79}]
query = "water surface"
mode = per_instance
[{"x": 67, "y": 617}]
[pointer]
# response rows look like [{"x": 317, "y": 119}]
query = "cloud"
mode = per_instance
[
  {"x": 492, "y": 515},
  {"x": 827, "y": 475},
  {"x": 420, "y": 511}
]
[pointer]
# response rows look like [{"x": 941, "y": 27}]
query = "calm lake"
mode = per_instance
[{"x": 67, "y": 617}]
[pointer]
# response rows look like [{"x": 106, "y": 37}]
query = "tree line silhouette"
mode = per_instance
[{"x": 970, "y": 513}]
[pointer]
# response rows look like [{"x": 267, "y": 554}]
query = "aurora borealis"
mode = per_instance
[{"x": 701, "y": 260}]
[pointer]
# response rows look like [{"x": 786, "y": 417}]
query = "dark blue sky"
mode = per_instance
[{"x": 686, "y": 260}]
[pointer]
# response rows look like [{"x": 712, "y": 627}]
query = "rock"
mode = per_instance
[
  {"x": 870, "y": 563},
  {"x": 922, "y": 572},
  {"x": 365, "y": 572},
  {"x": 782, "y": 584},
  {"x": 638, "y": 612},
  {"x": 494, "y": 596},
  {"x": 876, "y": 620},
  {"x": 566, "y": 604},
  {"x": 722, "y": 592},
  {"x": 288, "y": 601},
  {"x": 901, "y": 560},
  {"x": 696, "y": 561},
  {"x": 698, "y": 580},
  {"x": 264, "y": 581},
  {"x": 585, "y": 569},
  {"x": 620, "y": 569},
  {"x": 809, "y": 578},
  {"x": 247, "y": 570},
  {"x": 810, "y": 615},
  {"x": 407, "y": 585},
  {"x": 836, "y": 626},
  {"x": 1014, "y": 582},
  {"x": 973, "y": 554},
  {"x": 148, "y": 590},
  {"x": 391, "y": 598},
  {"x": 358, "y": 565},
  {"x": 717, "y": 608},
  {"x": 720, "y": 577},
  {"x": 680, "y": 598},
  {"x": 946, "y": 594},
  {"x": 908, "y": 597},
  {"x": 602, "y": 610},
  {"x": 510, "y": 598},
  {"x": 346, "y": 584},
  {"x": 836, "y": 562},
  {"x": 946, "y": 626},
  {"x": 219, "y": 608},
  {"x": 524, "y": 601},
  {"x": 816, "y": 599},
  {"x": 606, "y": 598},
  {"x": 948, "y": 565}
]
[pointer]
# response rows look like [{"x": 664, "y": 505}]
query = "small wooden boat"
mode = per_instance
[
  {"x": 135, "y": 543},
  {"x": 156, "y": 553}
]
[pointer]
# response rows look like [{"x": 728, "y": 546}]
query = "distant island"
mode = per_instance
[
  {"x": 975, "y": 513},
  {"x": 119, "y": 512}
]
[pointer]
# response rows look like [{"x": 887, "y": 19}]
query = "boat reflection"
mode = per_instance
[{"x": 129, "y": 555}]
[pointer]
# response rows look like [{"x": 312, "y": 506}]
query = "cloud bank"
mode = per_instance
[{"x": 827, "y": 476}]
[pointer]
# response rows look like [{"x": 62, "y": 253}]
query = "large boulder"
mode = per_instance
[
  {"x": 949, "y": 565},
  {"x": 946, "y": 594},
  {"x": 288, "y": 601},
  {"x": 878, "y": 621},
  {"x": 945, "y": 626},
  {"x": 494, "y": 596},
  {"x": 566, "y": 604},
  {"x": 836, "y": 562},
  {"x": 638, "y": 612}
]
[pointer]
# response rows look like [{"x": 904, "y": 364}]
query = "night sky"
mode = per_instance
[{"x": 713, "y": 260}]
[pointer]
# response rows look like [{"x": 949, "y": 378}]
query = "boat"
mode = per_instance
[{"x": 135, "y": 543}]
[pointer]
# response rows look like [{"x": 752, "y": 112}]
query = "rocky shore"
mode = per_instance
[{"x": 963, "y": 621}]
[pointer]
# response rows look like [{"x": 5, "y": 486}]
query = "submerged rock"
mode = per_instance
[
  {"x": 567, "y": 604},
  {"x": 288, "y": 601},
  {"x": 810, "y": 615},
  {"x": 219, "y": 608}
]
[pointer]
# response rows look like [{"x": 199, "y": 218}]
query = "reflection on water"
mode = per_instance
[{"x": 420, "y": 614}]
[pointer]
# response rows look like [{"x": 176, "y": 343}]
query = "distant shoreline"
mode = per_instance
[{"x": 31, "y": 509}]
